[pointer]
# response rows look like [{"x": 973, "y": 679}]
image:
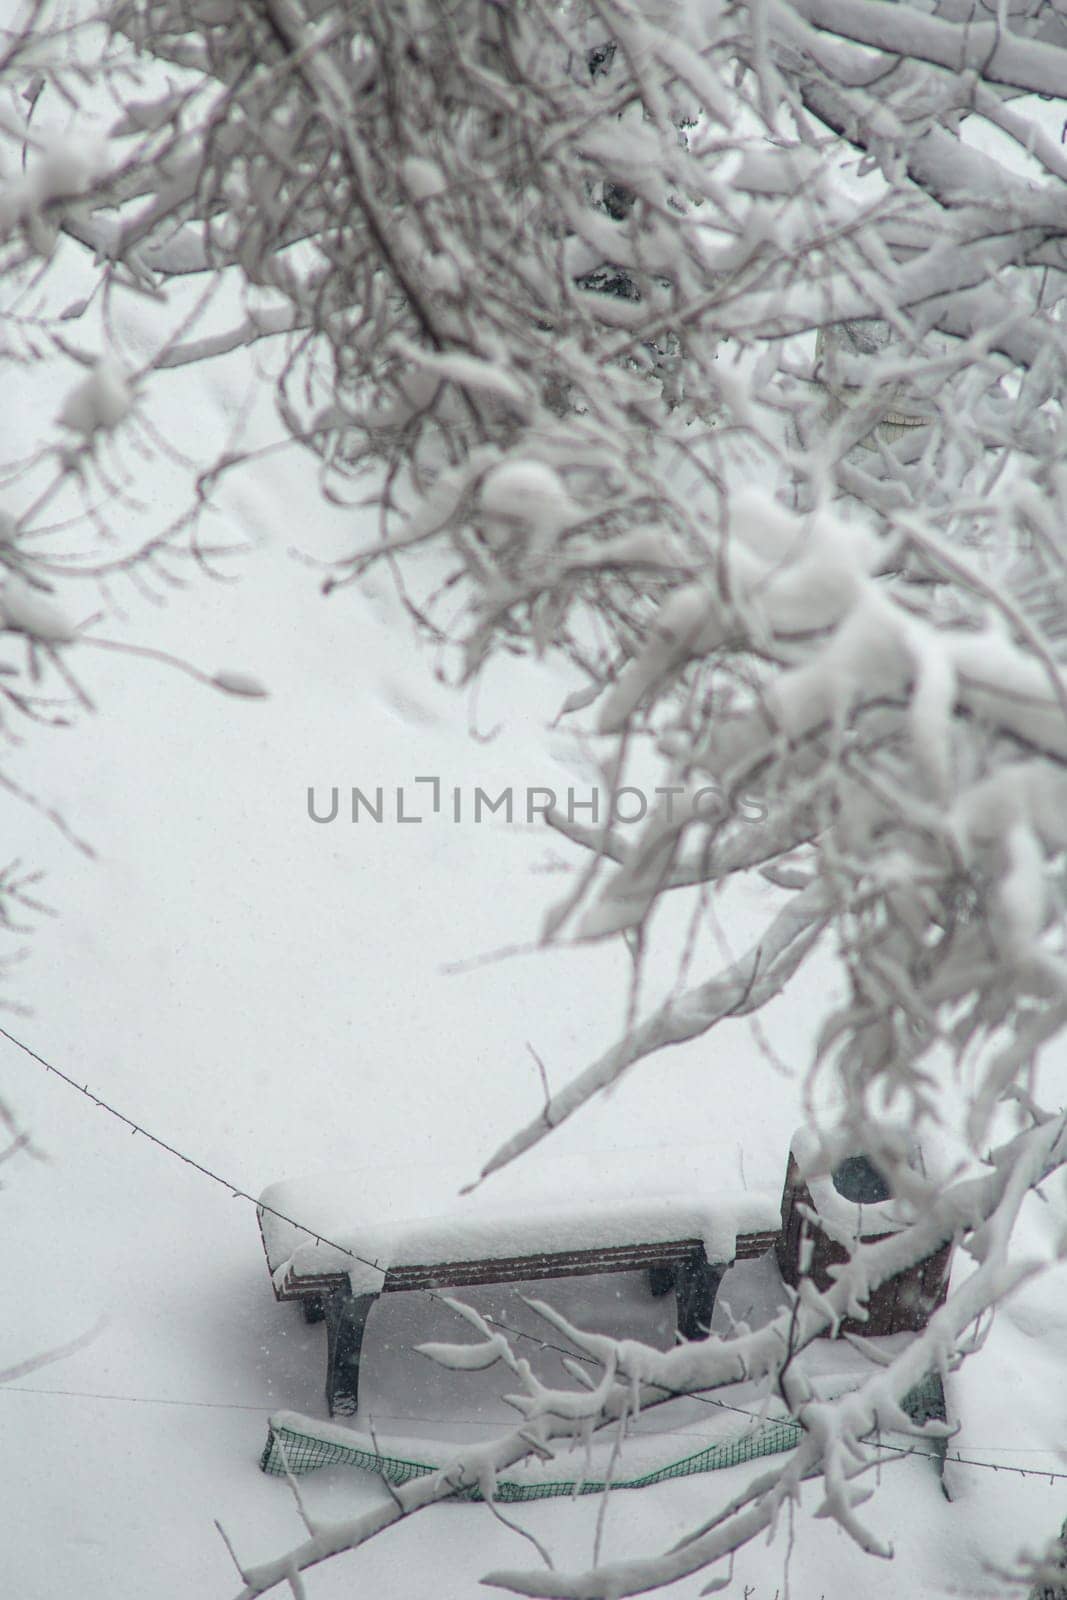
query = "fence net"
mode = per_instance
[{"x": 302, "y": 1445}]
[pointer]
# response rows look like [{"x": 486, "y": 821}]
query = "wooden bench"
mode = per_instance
[
  {"x": 337, "y": 1241},
  {"x": 680, "y": 1264}
]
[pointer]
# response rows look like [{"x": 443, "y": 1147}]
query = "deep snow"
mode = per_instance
[{"x": 268, "y": 994}]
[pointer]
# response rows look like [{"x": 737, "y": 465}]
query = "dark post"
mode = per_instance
[
  {"x": 346, "y": 1320},
  {"x": 661, "y": 1279},
  {"x": 696, "y": 1285}
]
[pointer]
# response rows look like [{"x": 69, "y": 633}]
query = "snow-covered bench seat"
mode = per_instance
[{"x": 372, "y": 1232}]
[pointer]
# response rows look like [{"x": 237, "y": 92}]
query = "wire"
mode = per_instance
[
  {"x": 136, "y": 1399},
  {"x": 234, "y": 1405},
  {"x": 238, "y": 1193},
  {"x": 385, "y": 1416}
]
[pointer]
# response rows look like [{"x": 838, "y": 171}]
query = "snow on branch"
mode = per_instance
[
  {"x": 991, "y": 52},
  {"x": 745, "y": 986},
  {"x": 712, "y": 351}
]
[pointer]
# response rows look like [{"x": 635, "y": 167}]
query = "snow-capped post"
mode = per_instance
[{"x": 835, "y": 1198}]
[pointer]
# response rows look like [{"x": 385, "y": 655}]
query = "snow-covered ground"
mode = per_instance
[{"x": 269, "y": 995}]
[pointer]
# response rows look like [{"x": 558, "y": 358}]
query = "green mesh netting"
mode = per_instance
[
  {"x": 305, "y": 1450},
  {"x": 302, "y": 1445}
]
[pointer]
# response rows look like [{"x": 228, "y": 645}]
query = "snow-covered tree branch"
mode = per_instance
[{"x": 722, "y": 349}]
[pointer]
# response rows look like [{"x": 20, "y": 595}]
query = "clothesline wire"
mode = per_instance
[
  {"x": 136, "y": 1399},
  {"x": 230, "y": 1405},
  {"x": 237, "y": 1193}
]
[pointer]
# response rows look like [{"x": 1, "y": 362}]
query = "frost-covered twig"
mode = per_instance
[{"x": 753, "y": 980}]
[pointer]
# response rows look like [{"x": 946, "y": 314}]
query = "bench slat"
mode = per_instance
[
  {"x": 517, "y": 1269},
  {"x": 546, "y": 1264},
  {"x": 750, "y": 1246},
  {"x": 295, "y": 1286}
]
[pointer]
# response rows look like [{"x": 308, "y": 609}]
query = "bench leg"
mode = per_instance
[
  {"x": 660, "y": 1280},
  {"x": 346, "y": 1321},
  {"x": 696, "y": 1285},
  {"x": 314, "y": 1307}
]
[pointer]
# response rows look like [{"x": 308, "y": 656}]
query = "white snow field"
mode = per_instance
[{"x": 269, "y": 995}]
